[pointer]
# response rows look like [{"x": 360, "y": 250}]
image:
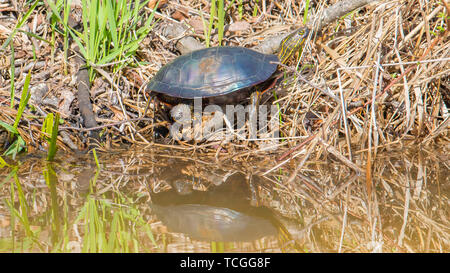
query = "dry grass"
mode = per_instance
[
  {"x": 384, "y": 103},
  {"x": 324, "y": 205},
  {"x": 369, "y": 59}
]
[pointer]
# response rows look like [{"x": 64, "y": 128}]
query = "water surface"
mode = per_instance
[{"x": 160, "y": 200}]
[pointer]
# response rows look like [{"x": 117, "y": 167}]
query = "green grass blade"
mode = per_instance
[
  {"x": 255, "y": 8},
  {"x": 240, "y": 9},
  {"x": 113, "y": 234},
  {"x": 221, "y": 20},
  {"x": 67, "y": 5},
  {"x": 52, "y": 180},
  {"x": 12, "y": 77},
  {"x": 46, "y": 126},
  {"x": 36, "y": 36},
  {"x": 10, "y": 203},
  {"x": 23, "y": 206},
  {"x": 20, "y": 24},
  {"x": 96, "y": 158},
  {"x": 305, "y": 15},
  {"x": 212, "y": 14},
  {"x": 112, "y": 22},
  {"x": 16, "y": 147},
  {"x": 93, "y": 33},
  {"x": 54, "y": 135},
  {"x": 77, "y": 37},
  {"x": 10, "y": 174},
  {"x": 85, "y": 36},
  {"x": 9, "y": 128},
  {"x": 23, "y": 99}
]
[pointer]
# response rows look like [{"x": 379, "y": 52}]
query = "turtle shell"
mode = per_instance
[
  {"x": 208, "y": 223},
  {"x": 212, "y": 72}
]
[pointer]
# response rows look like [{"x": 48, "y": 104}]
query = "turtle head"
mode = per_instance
[{"x": 292, "y": 43}]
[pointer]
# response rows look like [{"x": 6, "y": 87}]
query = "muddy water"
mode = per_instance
[{"x": 168, "y": 201}]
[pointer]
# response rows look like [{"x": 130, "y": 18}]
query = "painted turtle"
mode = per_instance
[
  {"x": 221, "y": 75},
  {"x": 222, "y": 213},
  {"x": 209, "y": 223}
]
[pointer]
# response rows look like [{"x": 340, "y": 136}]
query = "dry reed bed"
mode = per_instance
[
  {"x": 411, "y": 101},
  {"x": 337, "y": 182},
  {"x": 325, "y": 207}
]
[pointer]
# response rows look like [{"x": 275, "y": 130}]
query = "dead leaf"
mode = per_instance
[
  {"x": 239, "y": 26},
  {"x": 152, "y": 3},
  {"x": 197, "y": 25},
  {"x": 179, "y": 16}
]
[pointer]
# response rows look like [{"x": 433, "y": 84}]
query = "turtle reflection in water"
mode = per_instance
[
  {"x": 221, "y": 214},
  {"x": 221, "y": 75}
]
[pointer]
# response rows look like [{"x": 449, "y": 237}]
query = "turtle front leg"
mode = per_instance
[{"x": 255, "y": 99}]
